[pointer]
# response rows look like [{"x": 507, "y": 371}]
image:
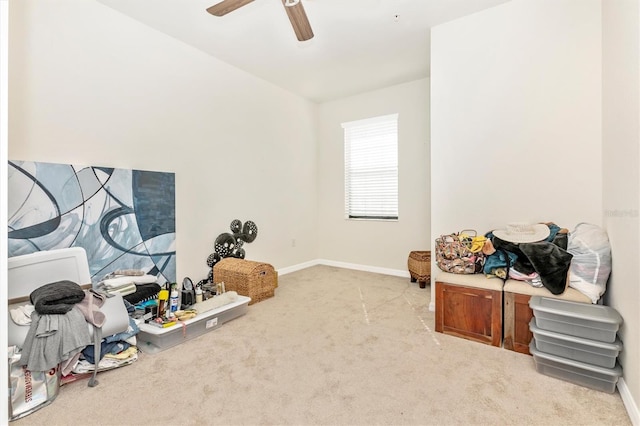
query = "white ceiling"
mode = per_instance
[{"x": 359, "y": 45}]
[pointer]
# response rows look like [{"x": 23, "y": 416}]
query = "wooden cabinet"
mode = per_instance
[
  {"x": 517, "y": 315},
  {"x": 473, "y": 313}
]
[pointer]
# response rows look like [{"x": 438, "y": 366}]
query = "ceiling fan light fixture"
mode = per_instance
[{"x": 291, "y": 3}]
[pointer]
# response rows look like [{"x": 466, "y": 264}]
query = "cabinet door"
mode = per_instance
[{"x": 468, "y": 312}]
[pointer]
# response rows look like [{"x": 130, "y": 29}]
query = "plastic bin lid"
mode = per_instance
[
  {"x": 615, "y": 371},
  {"x": 615, "y": 346},
  {"x": 584, "y": 311}
]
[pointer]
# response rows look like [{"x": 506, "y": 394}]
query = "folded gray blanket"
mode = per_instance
[{"x": 56, "y": 298}]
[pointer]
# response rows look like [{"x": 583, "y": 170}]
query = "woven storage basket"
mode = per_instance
[
  {"x": 248, "y": 278},
  {"x": 420, "y": 267}
]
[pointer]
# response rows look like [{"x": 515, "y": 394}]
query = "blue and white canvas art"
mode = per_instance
[{"x": 124, "y": 219}]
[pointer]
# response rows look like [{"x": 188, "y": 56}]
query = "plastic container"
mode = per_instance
[
  {"x": 592, "y": 352},
  {"x": 152, "y": 339},
  {"x": 594, "y": 322},
  {"x": 580, "y": 373},
  {"x": 174, "y": 300}
]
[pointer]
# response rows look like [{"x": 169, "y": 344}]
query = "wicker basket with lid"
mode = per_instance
[{"x": 256, "y": 280}]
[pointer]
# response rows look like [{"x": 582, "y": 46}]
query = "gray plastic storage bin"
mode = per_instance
[
  {"x": 579, "y": 373},
  {"x": 593, "y": 352},
  {"x": 153, "y": 339},
  {"x": 594, "y": 322}
]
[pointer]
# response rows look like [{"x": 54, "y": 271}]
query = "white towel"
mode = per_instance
[
  {"x": 117, "y": 282},
  {"x": 22, "y": 314},
  {"x": 216, "y": 302},
  {"x": 123, "y": 290},
  {"x": 144, "y": 279},
  {"x": 123, "y": 280}
]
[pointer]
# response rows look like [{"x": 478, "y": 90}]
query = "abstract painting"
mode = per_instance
[{"x": 124, "y": 219}]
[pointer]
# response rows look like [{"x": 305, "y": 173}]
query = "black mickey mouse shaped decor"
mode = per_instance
[{"x": 231, "y": 244}]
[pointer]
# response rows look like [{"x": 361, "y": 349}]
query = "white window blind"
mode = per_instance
[{"x": 371, "y": 168}]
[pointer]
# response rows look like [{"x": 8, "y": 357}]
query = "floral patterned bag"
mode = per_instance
[{"x": 460, "y": 253}]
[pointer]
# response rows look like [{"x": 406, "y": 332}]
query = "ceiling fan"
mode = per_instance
[{"x": 294, "y": 8}]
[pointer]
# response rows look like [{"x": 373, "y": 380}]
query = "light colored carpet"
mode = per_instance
[{"x": 333, "y": 347}]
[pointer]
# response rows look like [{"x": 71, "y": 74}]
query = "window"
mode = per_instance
[{"x": 371, "y": 168}]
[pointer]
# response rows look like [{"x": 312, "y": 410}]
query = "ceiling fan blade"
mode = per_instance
[
  {"x": 226, "y": 6},
  {"x": 299, "y": 21}
]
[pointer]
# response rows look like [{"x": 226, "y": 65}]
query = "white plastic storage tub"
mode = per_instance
[
  {"x": 152, "y": 339},
  {"x": 579, "y": 373},
  {"x": 594, "y": 352},
  {"x": 594, "y": 322}
]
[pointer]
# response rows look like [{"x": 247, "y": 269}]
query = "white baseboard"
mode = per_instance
[
  {"x": 629, "y": 403},
  {"x": 355, "y": 266},
  {"x": 298, "y": 267},
  {"x": 366, "y": 268}
]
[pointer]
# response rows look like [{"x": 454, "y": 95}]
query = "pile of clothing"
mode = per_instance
[
  {"x": 536, "y": 253},
  {"x": 546, "y": 255},
  {"x": 61, "y": 319},
  {"x": 125, "y": 282}
]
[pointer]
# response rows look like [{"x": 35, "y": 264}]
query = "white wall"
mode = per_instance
[
  {"x": 90, "y": 86},
  {"x": 516, "y": 113},
  {"x": 516, "y": 116},
  {"x": 4, "y": 119},
  {"x": 519, "y": 88},
  {"x": 379, "y": 244},
  {"x": 621, "y": 161}
]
